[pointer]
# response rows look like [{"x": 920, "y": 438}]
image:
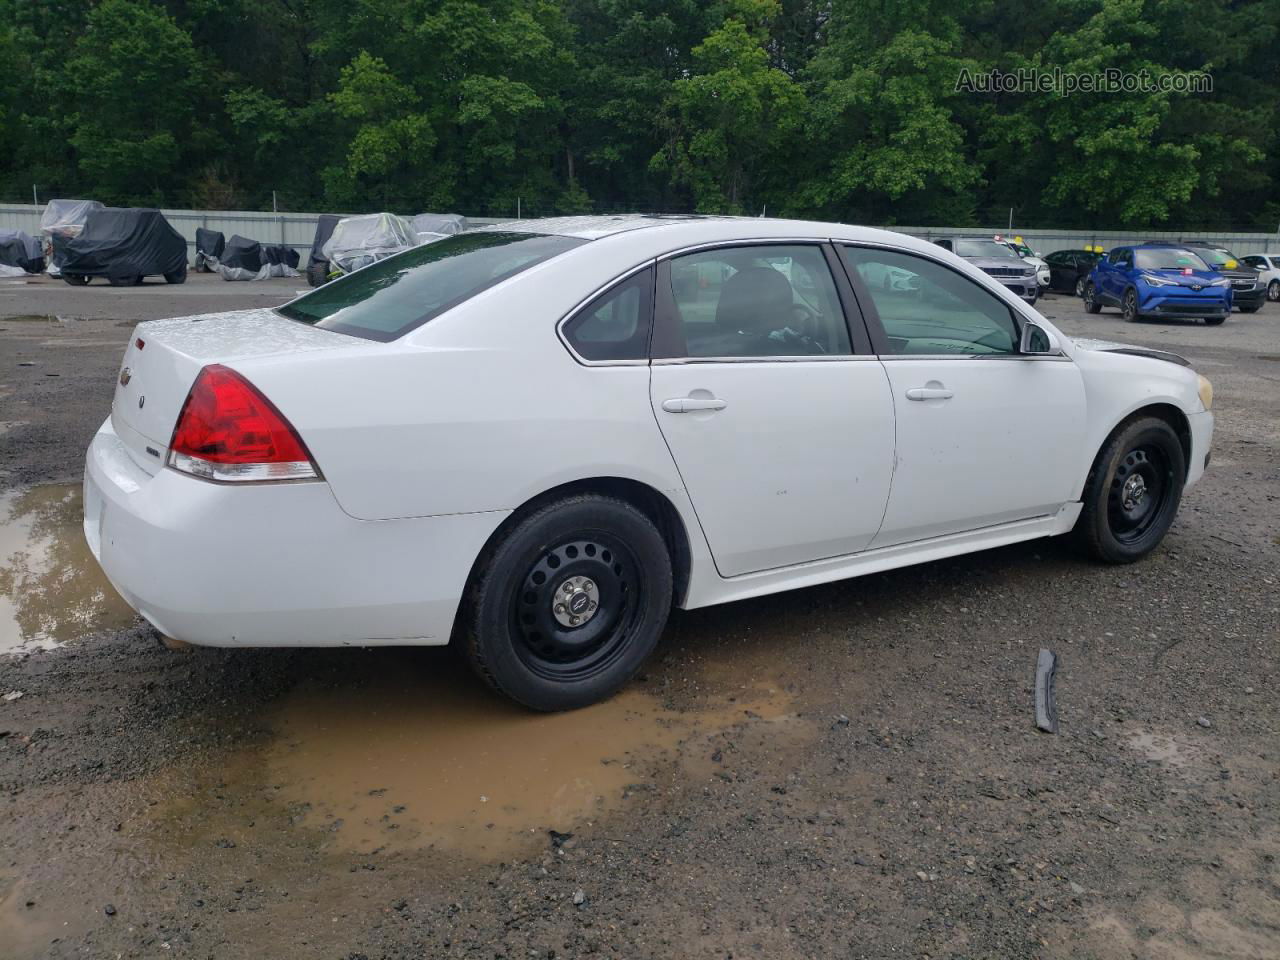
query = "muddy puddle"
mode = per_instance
[
  {"x": 436, "y": 761},
  {"x": 52, "y": 591}
]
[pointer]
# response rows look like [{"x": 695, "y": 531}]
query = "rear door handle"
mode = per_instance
[
  {"x": 692, "y": 404},
  {"x": 929, "y": 393}
]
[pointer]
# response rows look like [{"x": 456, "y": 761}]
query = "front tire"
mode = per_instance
[
  {"x": 1091, "y": 304},
  {"x": 1133, "y": 492},
  {"x": 1273, "y": 290},
  {"x": 567, "y": 606},
  {"x": 1129, "y": 306},
  {"x": 177, "y": 276},
  {"x": 1080, "y": 287}
]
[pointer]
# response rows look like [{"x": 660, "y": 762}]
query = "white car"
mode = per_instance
[
  {"x": 535, "y": 439},
  {"x": 1044, "y": 276},
  {"x": 1268, "y": 267}
]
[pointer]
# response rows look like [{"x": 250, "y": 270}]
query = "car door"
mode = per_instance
[
  {"x": 985, "y": 435},
  {"x": 1117, "y": 274},
  {"x": 777, "y": 414}
]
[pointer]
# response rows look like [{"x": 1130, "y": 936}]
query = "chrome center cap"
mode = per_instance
[
  {"x": 1134, "y": 492},
  {"x": 575, "y": 601}
]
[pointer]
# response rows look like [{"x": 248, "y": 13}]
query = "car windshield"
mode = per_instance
[
  {"x": 1216, "y": 255},
  {"x": 1167, "y": 258},
  {"x": 983, "y": 248},
  {"x": 387, "y": 299}
]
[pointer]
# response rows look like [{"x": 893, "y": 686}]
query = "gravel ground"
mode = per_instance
[{"x": 846, "y": 771}]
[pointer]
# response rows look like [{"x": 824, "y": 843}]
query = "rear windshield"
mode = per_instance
[
  {"x": 1168, "y": 258},
  {"x": 387, "y": 299}
]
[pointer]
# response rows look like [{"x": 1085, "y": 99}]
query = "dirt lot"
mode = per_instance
[{"x": 847, "y": 771}]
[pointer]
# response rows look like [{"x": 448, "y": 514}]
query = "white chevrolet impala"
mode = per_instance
[{"x": 535, "y": 439}]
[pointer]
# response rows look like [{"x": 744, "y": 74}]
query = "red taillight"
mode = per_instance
[{"x": 228, "y": 430}]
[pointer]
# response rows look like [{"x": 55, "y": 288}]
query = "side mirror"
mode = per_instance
[{"x": 1037, "y": 341}]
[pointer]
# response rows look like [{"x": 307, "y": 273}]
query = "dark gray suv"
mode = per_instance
[{"x": 997, "y": 260}]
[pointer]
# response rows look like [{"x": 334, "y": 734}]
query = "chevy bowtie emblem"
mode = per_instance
[{"x": 125, "y": 377}]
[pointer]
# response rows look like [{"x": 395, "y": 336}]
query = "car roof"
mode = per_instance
[{"x": 596, "y": 227}]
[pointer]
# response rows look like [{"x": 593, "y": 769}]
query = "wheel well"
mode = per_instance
[
  {"x": 643, "y": 497},
  {"x": 1170, "y": 415}
]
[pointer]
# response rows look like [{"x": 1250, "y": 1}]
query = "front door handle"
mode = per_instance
[
  {"x": 933, "y": 392},
  {"x": 693, "y": 404}
]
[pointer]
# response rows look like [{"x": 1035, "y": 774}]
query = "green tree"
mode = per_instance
[{"x": 727, "y": 120}]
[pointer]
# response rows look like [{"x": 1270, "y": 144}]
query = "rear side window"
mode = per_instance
[
  {"x": 615, "y": 325},
  {"x": 387, "y": 299}
]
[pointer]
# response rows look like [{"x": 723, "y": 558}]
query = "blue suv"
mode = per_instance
[{"x": 1158, "y": 280}]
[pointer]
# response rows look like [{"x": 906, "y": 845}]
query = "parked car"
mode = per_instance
[
  {"x": 1069, "y": 269},
  {"x": 20, "y": 253},
  {"x": 997, "y": 260},
  {"x": 1158, "y": 280},
  {"x": 1029, "y": 255},
  {"x": 359, "y": 241},
  {"x": 536, "y": 438},
  {"x": 124, "y": 245},
  {"x": 1268, "y": 267},
  {"x": 1247, "y": 292}
]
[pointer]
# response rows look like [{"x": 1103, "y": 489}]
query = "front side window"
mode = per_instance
[
  {"x": 615, "y": 325},
  {"x": 387, "y": 299},
  {"x": 757, "y": 301},
  {"x": 929, "y": 309}
]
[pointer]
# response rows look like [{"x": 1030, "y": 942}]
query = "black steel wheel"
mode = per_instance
[
  {"x": 1091, "y": 302},
  {"x": 567, "y": 605},
  {"x": 1129, "y": 306},
  {"x": 1133, "y": 491}
]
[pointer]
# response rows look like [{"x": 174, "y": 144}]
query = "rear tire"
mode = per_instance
[
  {"x": 177, "y": 276},
  {"x": 564, "y": 609},
  {"x": 76, "y": 279},
  {"x": 1133, "y": 492},
  {"x": 1091, "y": 304}
]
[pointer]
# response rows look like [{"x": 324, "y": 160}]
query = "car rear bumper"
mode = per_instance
[{"x": 275, "y": 564}]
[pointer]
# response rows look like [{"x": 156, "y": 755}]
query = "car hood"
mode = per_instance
[
  {"x": 1109, "y": 346},
  {"x": 1202, "y": 277}
]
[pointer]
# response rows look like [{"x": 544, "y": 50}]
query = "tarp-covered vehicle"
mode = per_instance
[
  {"x": 64, "y": 219},
  {"x": 124, "y": 245},
  {"x": 245, "y": 259},
  {"x": 433, "y": 226},
  {"x": 209, "y": 247},
  {"x": 20, "y": 253},
  {"x": 317, "y": 262},
  {"x": 359, "y": 241}
]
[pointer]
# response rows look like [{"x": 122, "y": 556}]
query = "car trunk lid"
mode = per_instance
[{"x": 164, "y": 356}]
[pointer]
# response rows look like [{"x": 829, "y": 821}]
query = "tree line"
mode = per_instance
[{"x": 836, "y": 109}]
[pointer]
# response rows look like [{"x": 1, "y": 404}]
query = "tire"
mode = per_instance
[
  {"x": 1129, "y": 306},
  {"x": 1273, "y": 290},
  {"x": 76, "y": 279},
  {"x": 124, "y": 281},
  {"x": 1133, "y": 491},
  {"x": 177, "y": 276},
  {"x": 1091, "y": 304},
  {"x": 1214, "y": 321},
  {"x": 317, "y": 275},
  {"x": 593, "y": 550},
  {"x": 1080, "y": 287}
]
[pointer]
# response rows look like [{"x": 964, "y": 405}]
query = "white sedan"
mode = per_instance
[{"x": 535, "y": 439}]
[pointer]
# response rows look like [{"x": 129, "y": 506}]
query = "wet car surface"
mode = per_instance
[{"x": 850, "y": 770}]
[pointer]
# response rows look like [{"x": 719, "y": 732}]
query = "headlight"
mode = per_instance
[
  {"x": 1206, "y": 392},
  {"x": 1220, "y": 282},
  {"x": 1156, "y": 281}
]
